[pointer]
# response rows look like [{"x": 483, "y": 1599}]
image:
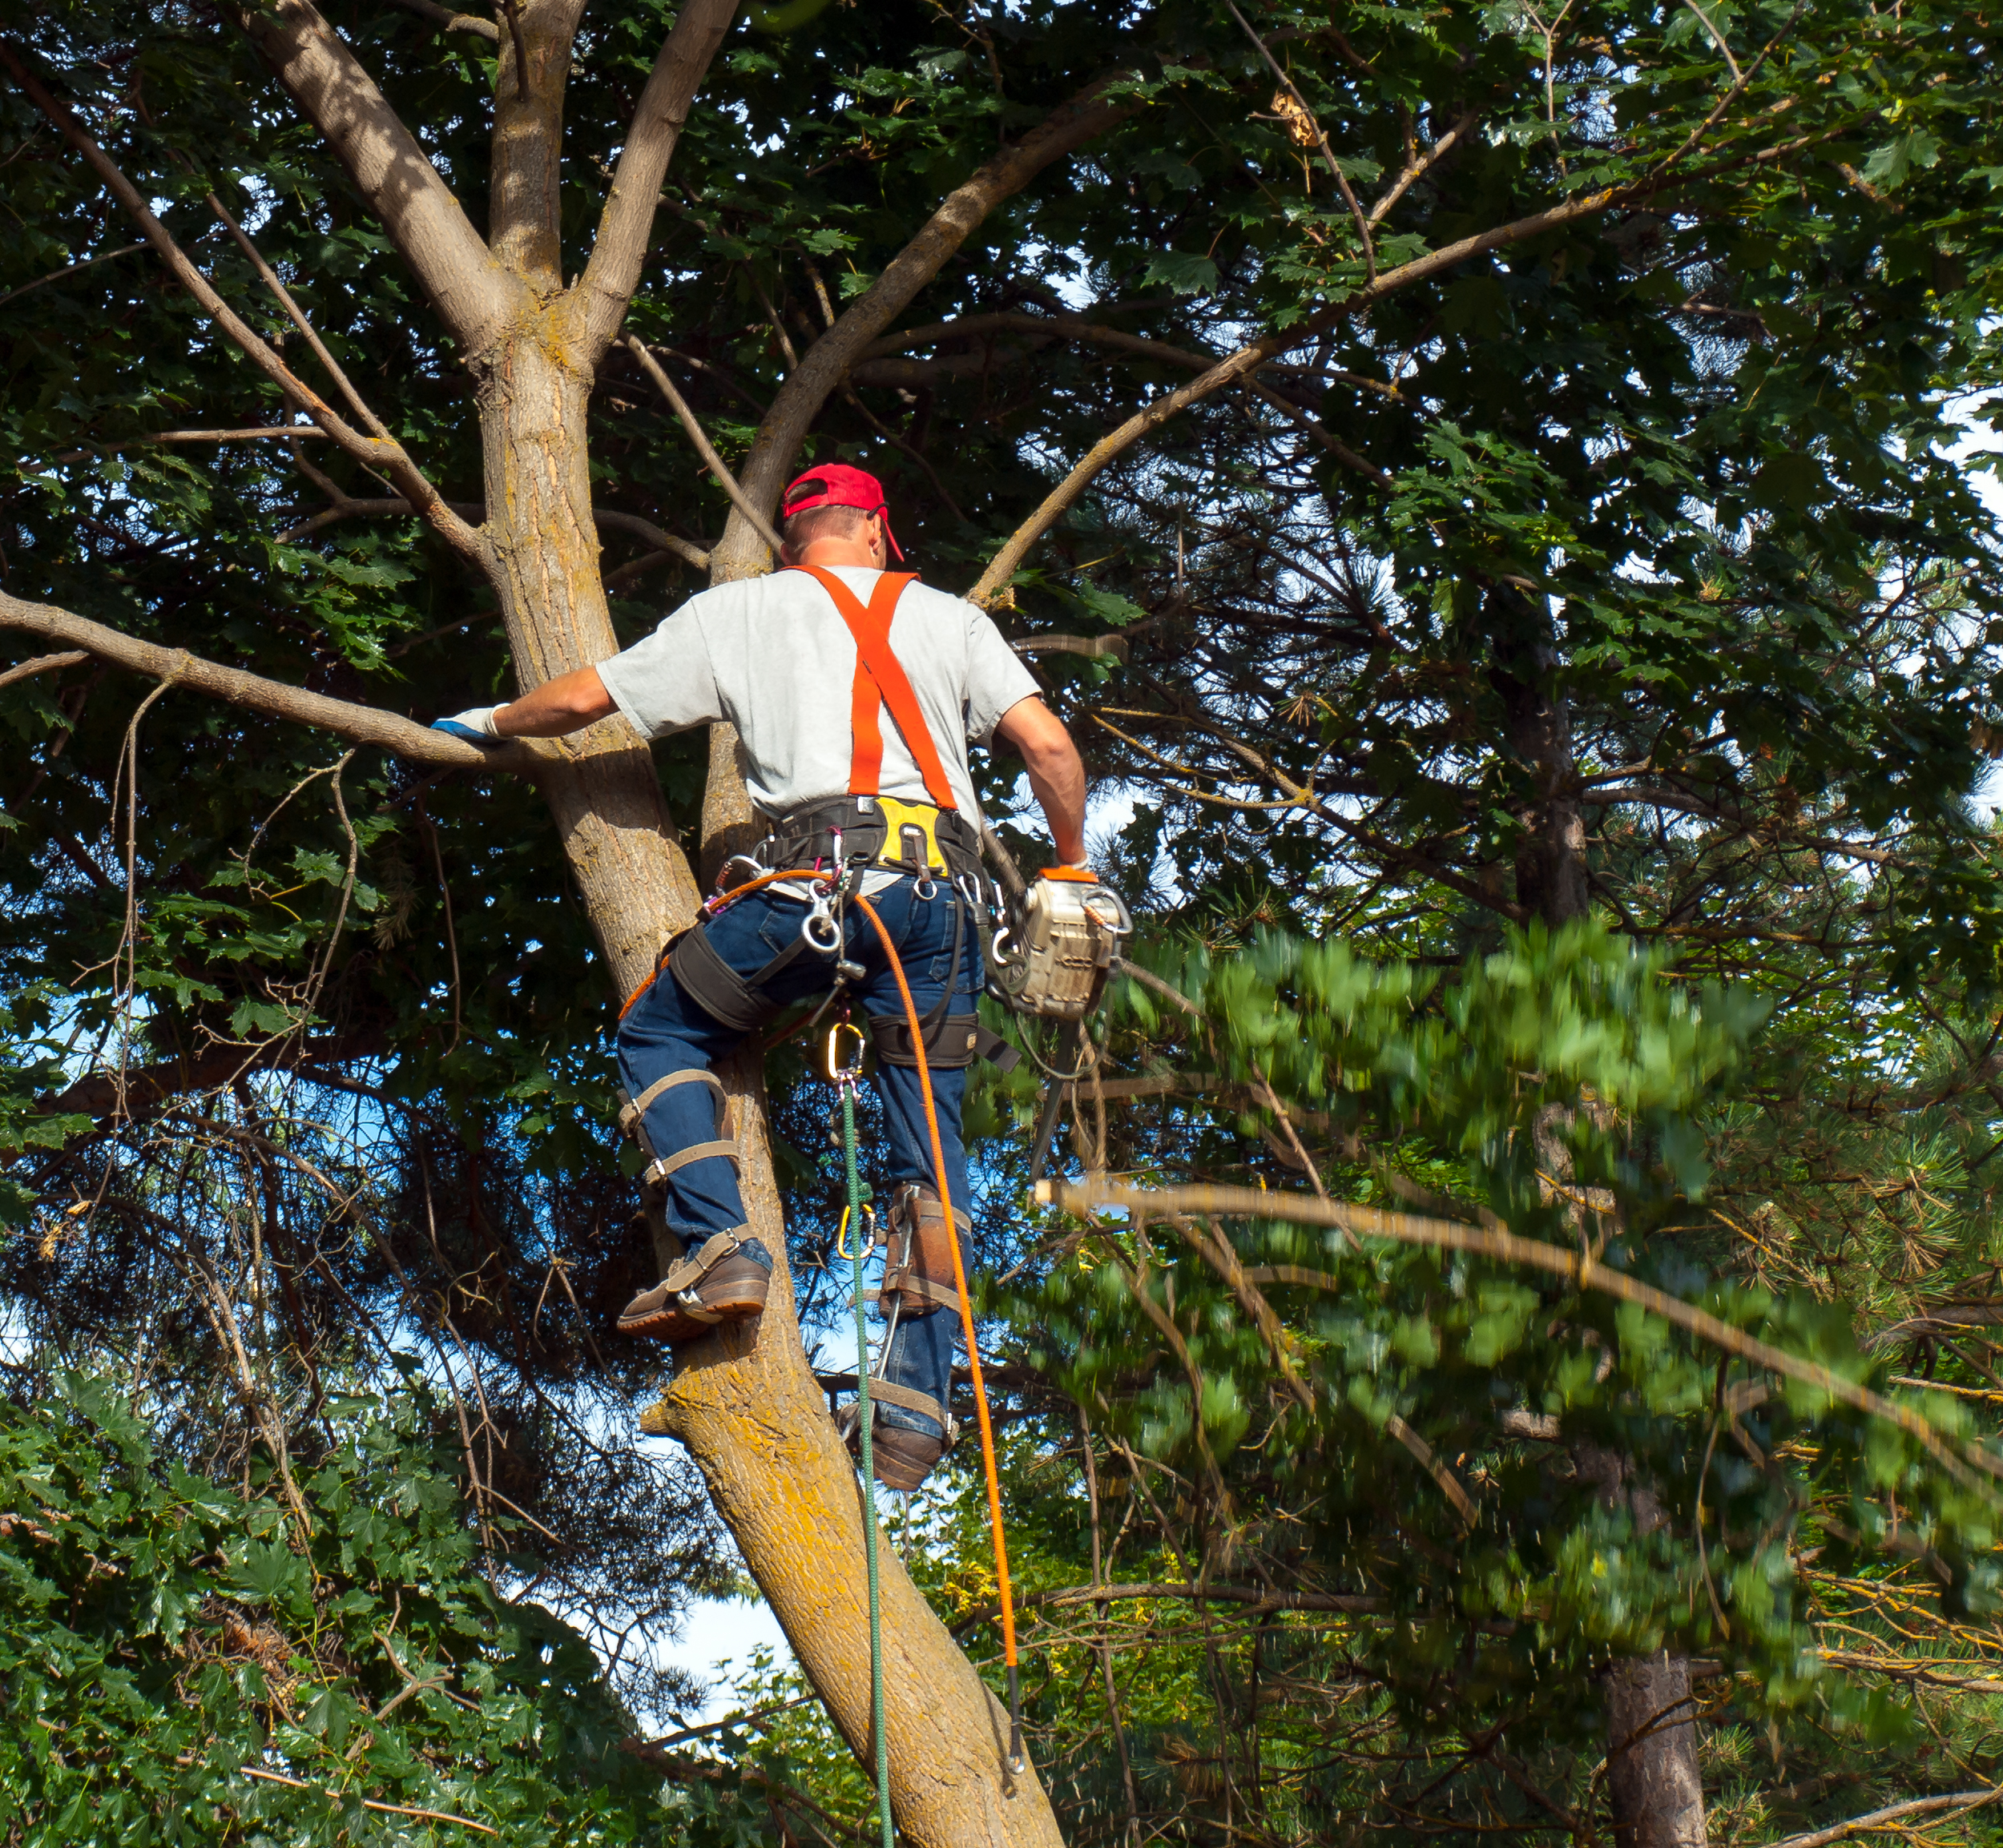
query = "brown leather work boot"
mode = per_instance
[
  {"x": 722, "y": 1282},
  {"x": 902, "y": 1459}
]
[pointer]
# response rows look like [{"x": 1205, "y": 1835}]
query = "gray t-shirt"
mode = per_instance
[{"x": 773, "y": 656}]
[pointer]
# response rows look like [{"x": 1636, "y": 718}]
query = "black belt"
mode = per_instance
[{"x": 865, "y": 824}]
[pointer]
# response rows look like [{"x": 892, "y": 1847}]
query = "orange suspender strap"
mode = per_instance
[{"x": 880, "y": 679}]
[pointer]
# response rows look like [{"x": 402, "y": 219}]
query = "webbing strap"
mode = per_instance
[
  {"x": 635, "y": 1110},
  {"x": 881, "y": 680},
  {"x": 696, "y": 1152}
]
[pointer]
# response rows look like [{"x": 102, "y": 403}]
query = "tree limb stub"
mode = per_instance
[
  {"x": 1961, "y": 1461},
  {"x": 358, "y": 724},
  {"x": 43, "y": 664},
  {"x": 448, "y": 21}
]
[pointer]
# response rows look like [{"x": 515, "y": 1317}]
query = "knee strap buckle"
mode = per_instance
[{"x": 882, "y": 1392}]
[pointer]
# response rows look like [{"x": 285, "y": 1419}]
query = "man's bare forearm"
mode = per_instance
[
  {"x": 1056, "y": 772},
  {"x": 567, "y": 703}
]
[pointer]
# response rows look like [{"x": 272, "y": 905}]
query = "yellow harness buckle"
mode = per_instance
[{"x": 911, "y": 836}]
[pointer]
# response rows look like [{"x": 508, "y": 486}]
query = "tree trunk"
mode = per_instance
[
  {"x": 743, "y": 1400},
  {"x": 1652, "y": 1780},
  {"x": 1653, "y": 1786}
]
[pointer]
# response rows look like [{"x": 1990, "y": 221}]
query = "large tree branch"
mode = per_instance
[
  {"x": 470, "y": 290},
  {"x": 1089, "y": 114},
  {"x": 382, "y": 454},
  {"x": 627, "y": 221},
  {"x": 358, "y": 724}
]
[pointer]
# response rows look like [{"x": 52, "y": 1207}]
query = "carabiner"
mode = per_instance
[
  {"x": 870, "y": 1237},
  {"x": 851, "y": 1073},
  {"x": 818, "y": 929}
]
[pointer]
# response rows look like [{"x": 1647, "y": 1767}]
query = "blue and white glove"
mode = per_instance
[{"x": 474, "y": 726}]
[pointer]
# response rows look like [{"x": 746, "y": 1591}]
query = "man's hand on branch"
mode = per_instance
[
  {"x": 567, "y": 703},
  {"x": 474, "y": 726}
]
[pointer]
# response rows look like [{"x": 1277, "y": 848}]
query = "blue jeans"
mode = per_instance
[{"x": 666, "y": 1032}]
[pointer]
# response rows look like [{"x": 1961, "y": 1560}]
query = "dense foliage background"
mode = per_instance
[{"x": 1542, "y": 719}]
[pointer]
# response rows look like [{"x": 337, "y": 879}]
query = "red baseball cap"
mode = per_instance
[{"x": 837, "y": 485}]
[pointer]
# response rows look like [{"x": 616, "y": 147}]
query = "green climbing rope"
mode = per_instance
[{"x": 854, "y": 1218}]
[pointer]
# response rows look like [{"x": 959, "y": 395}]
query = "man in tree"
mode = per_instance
[{"x": 804, "y": 664}]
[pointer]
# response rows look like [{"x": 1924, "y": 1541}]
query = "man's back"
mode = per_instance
[{"x": 773, "y": 656}]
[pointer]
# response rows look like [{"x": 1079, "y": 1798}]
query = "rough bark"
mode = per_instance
[{"x": 1652, "y": 1780}]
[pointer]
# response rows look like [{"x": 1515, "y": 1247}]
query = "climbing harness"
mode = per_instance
[{"x": 846, "y": 1076}]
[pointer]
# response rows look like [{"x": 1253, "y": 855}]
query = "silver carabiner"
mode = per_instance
[{"x": 818, "y": 929}]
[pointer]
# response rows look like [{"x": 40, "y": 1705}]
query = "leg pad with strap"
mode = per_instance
[
  {"x": 918, "y": 1263},
  {"x": 951, "y": 1044},
  {"x": 736, "y": 1001}
]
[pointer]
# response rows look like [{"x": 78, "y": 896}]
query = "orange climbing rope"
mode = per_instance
[{"x": 974, "y": 1350}]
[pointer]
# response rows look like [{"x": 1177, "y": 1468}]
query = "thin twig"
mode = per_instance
[
  {"x": 43, "y": 664},
  {"x": 714, "y": 462},
  {"x": 58, "y": 275},
  {"x": 297, "y": 316},
  {"x": 367, "y": 1803}
]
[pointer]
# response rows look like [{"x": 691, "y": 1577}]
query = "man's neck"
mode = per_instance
[{"x": 825, "y": 554}]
